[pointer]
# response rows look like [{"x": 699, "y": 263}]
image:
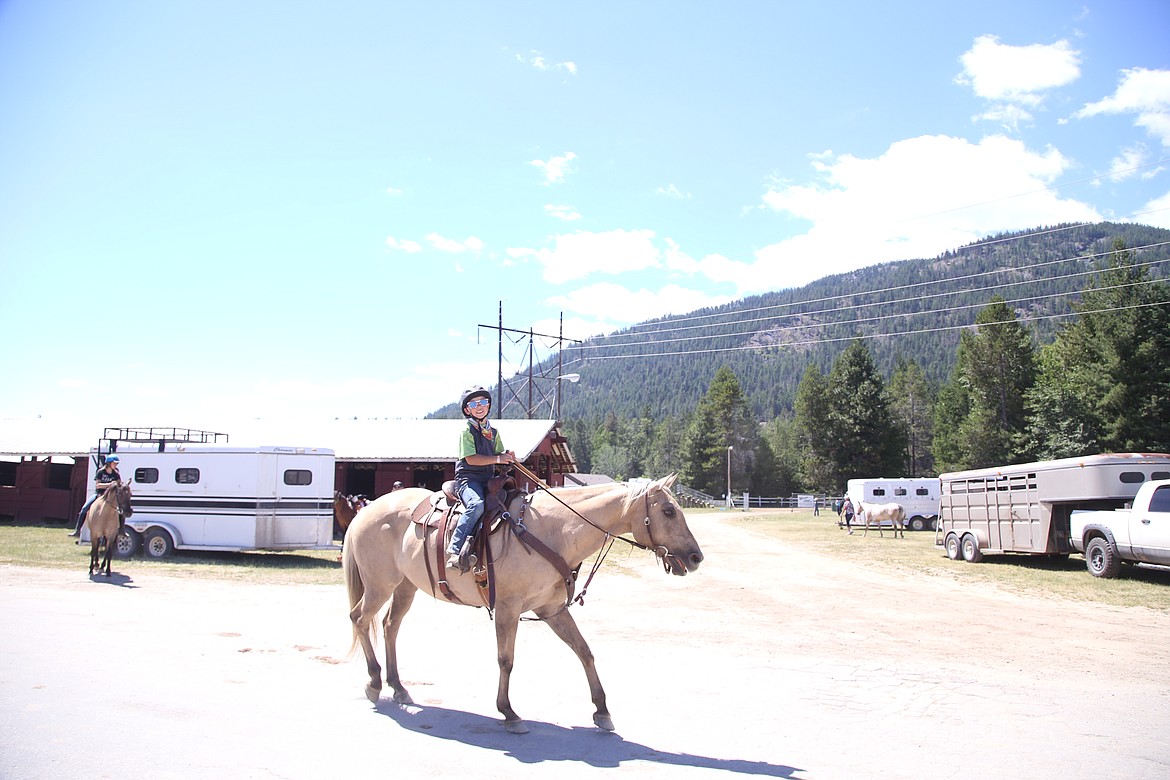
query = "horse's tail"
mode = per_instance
[{"x": 354, "y": 587}]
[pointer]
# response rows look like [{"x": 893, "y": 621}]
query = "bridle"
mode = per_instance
[{"x": 661, "y": 551}]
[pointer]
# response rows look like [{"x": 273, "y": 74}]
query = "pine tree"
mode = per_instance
[
  {"x": 912, "y": 406},
  {"x": 864, "y": 440},
  {"x": 997, "y": 365},
  {"x": 722, "y": 419},
  {"x": 812, "y": 431}
]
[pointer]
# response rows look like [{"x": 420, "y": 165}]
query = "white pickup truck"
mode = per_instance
[{"x": 1140, "y": 534}]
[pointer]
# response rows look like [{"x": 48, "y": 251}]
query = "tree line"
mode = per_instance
[{"x": 1100, "y": 384}]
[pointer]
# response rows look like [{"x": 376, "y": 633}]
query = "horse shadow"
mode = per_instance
[
  {"x": 116, "y": 579},
  {"x": 549, "y": 742}
]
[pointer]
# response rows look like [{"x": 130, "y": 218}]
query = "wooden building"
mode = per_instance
[{"x": 44, "y": 468}]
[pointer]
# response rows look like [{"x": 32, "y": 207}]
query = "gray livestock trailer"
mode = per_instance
[{"x": 1025, "y": 508}]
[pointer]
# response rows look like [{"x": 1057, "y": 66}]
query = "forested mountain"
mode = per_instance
[
  {"x": 911, "y": 308},
  {"x": 1049, "y": 343}
]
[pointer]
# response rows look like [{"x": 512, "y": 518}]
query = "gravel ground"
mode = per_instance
[{"x": 768, "y": 661}]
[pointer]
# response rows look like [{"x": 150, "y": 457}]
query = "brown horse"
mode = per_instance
[
  {"x": 344, "y": 510},
  {"x": 102, "y": 521},
  {"x": 385, "y": 560}
]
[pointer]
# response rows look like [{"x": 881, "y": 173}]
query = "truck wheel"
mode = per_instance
[
  {"x": 1101, "y": 558},
  {"x": 971, "y": 551},
  {"x": 158, "y": 544},
  {"x": 952, "y": 545},
  {"x": 917, "y": 523},
  {"x": 127, "y": 543}
]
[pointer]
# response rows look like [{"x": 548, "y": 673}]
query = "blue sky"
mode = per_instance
[{"x": 212, "y": 210}]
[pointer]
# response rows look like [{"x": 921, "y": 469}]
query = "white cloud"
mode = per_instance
[
  {"x": 454, "y": 245},
  {"x": 577, "y": 255},
  {"x": 1018, "y": 74},
  {"x": 536, "y": 60},
  {"x": 609, "y": 302},
  {"x": 1126, "y": 164},
  {"x": 403, "y": 245},
  {"x": 921, "y": 197},
  {"x": 672, "y": 191},
  {"x": 393, "y": 192},
  {"x": 1143, "y": 92},
  {"x": 715, "y": 267},
  {"x": 567, "y": 213},
  {"x": 1156, "y": 212},
  {"x": 1015, "y": 78},
  {"x": 555, "y": 168}
]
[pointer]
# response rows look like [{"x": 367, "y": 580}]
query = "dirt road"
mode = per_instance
[{"x": 769, "y": 661}]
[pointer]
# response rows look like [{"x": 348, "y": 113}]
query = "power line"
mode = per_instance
[
  {"x": 867, "y": 336},
  {"x": 738, "y": 322},
  {"x": 946, "y": 280}
]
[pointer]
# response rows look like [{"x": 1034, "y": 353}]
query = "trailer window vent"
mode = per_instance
[
  {"x": 899, "y": 491},
  {"x": 879, "y": 491},
  {"x": 187, "y": 476},
  {"x": 922, "y": 492},
  {"x": 1160, "y": 475},
  {"x": 146, "y": 475},
  {"x": 298, "y": 477},
  {"x": 1132, "y": 477}
]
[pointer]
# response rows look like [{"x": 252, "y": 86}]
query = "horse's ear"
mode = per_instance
[{"x": 666, "y": 483}]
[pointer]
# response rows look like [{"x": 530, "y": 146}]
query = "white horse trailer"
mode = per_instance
[
  {"x": 193, "y": 495},
  {"x": 1026, "y": 508},
  {"x": 918, "y": 496}
]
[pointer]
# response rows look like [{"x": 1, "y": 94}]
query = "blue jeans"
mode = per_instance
[
  {"x": 81, "y": 517},
  {"x": 471, "y": 493}
]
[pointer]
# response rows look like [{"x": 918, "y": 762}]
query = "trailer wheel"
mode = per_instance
[
  {"x": 158, "y": 544},
  {"x": 952, "y": 545},
  {"x": 971, "y": 551},
  {"x": 917, "y": 523},
  {"x": 127, "y": 543},
  {"x": 1101, "y": 558}
]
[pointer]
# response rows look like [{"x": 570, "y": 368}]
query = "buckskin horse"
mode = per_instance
[
  {"x": 102, "y": 520},
  {"x": 387, "y": 557}
]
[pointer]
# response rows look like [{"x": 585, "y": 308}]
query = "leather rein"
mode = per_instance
[{"x": 661, "y": 551}]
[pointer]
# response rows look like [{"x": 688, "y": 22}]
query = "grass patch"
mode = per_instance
[
  {"x": 916, "y": 555},
  {"x": 48, "y": 547}
]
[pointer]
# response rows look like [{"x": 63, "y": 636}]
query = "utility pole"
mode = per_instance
[{"x": 507, "y": 394}]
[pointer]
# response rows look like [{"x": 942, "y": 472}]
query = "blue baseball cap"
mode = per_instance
[{"x": 111, "y": 459}]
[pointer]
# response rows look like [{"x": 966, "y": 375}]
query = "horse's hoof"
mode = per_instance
[
  {"x": 516, "y": 727},
  {"x": 373, "y": 694},
  {"x": 603, "y": 721},
  {"x": 402, "y": 697}
]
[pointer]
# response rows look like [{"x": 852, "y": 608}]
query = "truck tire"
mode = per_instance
[
  {"x": 158, "y": 544},
  {"x": 954, "y": 551},
  {"x": 971, "y": 551},
  {"x": 917, "y": 523},
  {"x": 1101, "y": 558}
]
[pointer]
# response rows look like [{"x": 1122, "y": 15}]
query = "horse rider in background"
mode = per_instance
[{"x": 107, "y": 476}]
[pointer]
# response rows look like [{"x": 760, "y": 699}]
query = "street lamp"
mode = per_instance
[
  {"x": 557, "y": 392},
  {"x": 729, "y": 449}
]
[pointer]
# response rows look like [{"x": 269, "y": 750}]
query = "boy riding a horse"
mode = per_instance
[{"x": 480, "y": 450}]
